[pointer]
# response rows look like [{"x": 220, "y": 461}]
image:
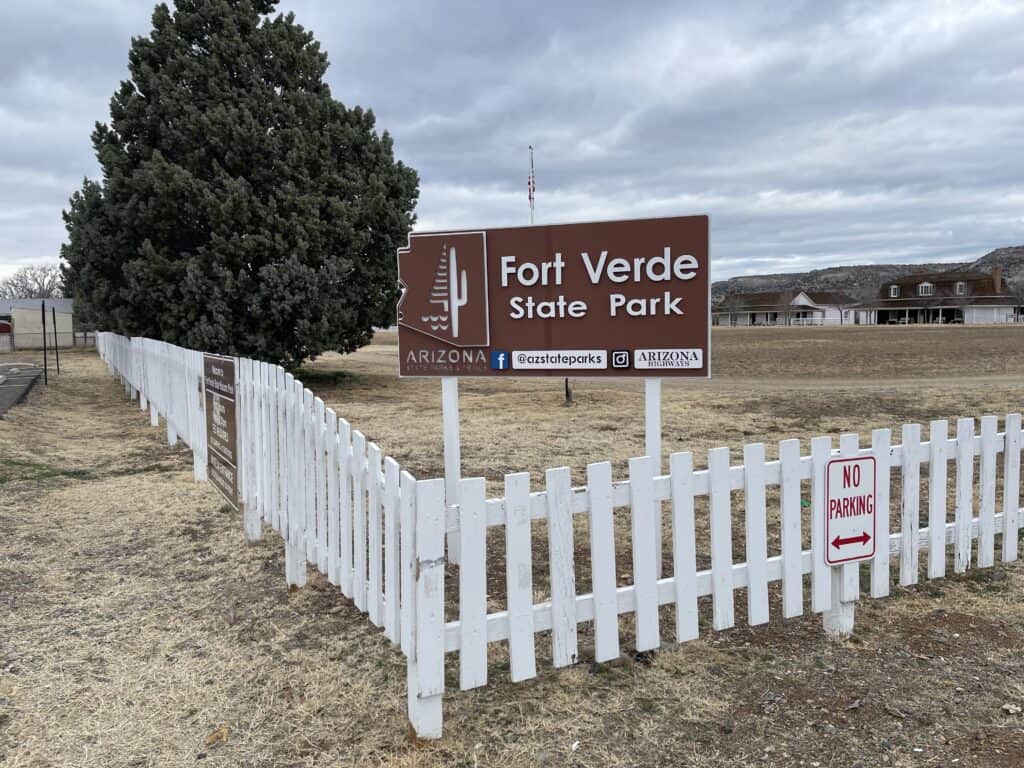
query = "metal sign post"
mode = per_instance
[
  {"x": 46, "y": 371},
  {"x": 56, "y": 344}
]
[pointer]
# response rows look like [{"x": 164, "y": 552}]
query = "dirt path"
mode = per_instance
[{"x": 137, "y": 628}]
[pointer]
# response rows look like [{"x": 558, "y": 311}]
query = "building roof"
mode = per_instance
[
  {"x": 780, "y": 301},
  {"x": 63, "y": 306},
  {"x": 979, "y": 290}
]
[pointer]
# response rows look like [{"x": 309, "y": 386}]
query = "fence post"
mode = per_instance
[
  {"x": 838, "y": 618},
  {"x": 425, "y": 672}
]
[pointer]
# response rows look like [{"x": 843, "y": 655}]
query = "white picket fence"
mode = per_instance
[{"x": 379, "y": 534}]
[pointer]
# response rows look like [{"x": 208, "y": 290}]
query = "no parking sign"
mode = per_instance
[{"x": 850, "y": 495}]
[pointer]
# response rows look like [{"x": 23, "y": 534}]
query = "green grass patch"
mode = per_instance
[{"x": 20, "y": 469}]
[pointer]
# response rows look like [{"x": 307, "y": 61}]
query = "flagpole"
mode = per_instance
[{"x": 531, "y": 185}]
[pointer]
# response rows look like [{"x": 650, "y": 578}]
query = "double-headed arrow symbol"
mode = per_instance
[{"x": 863, "y": 539}]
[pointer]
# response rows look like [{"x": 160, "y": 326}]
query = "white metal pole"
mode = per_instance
[
  {"x": 652, "y": 448},
  {"x": 452, "y": 453}
]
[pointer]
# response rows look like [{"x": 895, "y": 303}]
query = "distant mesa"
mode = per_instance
[{"x": 863, "y": 280}]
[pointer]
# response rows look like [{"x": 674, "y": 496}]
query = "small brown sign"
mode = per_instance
[
  {"x": 219, "y": 384},
  {"x": 611, "y": 298}
]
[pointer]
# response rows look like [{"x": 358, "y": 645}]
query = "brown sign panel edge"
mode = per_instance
[{"x": 607, "y": 371}]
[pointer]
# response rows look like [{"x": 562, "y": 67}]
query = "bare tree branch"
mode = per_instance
[{"x": 38, "y": 281}]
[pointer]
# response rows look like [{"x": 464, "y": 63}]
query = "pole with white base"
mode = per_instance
[
  {"x": 452, "y": 453},
  {"x": 845, "y": 579}
]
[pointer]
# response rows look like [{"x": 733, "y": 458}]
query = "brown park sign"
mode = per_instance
[
  {"x": 610, "y": 298},
  {"x": 219, "y": 384}
]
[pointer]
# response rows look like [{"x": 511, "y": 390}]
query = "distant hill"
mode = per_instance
[{"x": 864, "y": 280}]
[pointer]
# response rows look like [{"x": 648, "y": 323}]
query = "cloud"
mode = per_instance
[{"x": 813, "y": 134}]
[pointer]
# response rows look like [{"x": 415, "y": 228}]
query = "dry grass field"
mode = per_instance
[{"x": 137, "y": 628}]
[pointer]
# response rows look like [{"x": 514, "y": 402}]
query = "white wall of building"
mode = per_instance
[{"x": 974, "y": 315}]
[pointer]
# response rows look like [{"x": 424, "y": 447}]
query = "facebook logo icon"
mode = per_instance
[{"x": 500, "y": 360}]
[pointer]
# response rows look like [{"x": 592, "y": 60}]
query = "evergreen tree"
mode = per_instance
[{"x": 242, "y": 209}]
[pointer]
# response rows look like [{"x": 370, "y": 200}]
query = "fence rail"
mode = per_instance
[{"x": 378, "y": 533}]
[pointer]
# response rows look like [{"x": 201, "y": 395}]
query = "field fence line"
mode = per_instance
[{"x": 379, "y": 534}]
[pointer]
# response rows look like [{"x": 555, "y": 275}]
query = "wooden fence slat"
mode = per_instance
[
  {"x": 320, "y": 480},
  {"x": 279, "y": 436},
  {"x": 964, "y": 494},
  {"x": 309, "y": 467},
  {"x": 881, "y": 449},
  {"x": 938, "y": 437},
  {"x": 643, "y": 516},
  {"x": 910, "y": 508},
  {"x": 430, "y": 514},
  {"x": 263, "y": 442},
  {"x": 756, "y": 533},
  {"x": 602, "y": 561},
  {"x": 792, "y": 543},
  {"x": 359, "y": 519},
  {"x": 987, "y": 481},
  {"x": 375, "y": 538},
  {"x": 849, "y": 447},
  {"x": 1011, "y": 487},
  {"x": 519, "y": 577},
  {"x": 392, "y": 612},
  {"x": 473, "y": 583},
  {"x": 345, "y": 506},
  {"x": 821, "y": 575},
  {"x": 720, "y": 503},
  {"x": 564, "y": 648},
  {"x": 333, "y": 521},
  {"x": 684, "y": 545},
  {"x": 407, "y": 530}
]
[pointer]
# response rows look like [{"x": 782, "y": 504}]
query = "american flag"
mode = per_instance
[{"x": 531, "y": 184}]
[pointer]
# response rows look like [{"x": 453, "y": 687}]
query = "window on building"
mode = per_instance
[
  {"x": 960, "y": 289},
  {"x": 926, "y": 289},
  {"x": 894, "y": 291}
]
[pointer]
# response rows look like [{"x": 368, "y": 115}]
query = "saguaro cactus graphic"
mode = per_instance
[
  {"x": 457, "y": 288},
  {"x": 450, "y": 292}
]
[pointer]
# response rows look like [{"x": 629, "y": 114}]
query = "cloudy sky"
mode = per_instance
[{"x": 813, "y": 133}]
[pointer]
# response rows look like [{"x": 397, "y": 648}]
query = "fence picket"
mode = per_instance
[
  {"x": 821, "y": 576},
  {"x": 430, "y": 512},
  {"x": 792, "y": 544},
  {"x": 320, "y": 481},
  {"x": 278, "y": 433},
  {"x": 309, "y": 474},
  {"x": 392, "y": 613},
  {"x": 407, "y": 530},
  {"x": 757, "y": 533},
  {"x": 519, "y": 577},
  {"x": 643, "y": 516},
  {"x": 332, "y": 540},
  {"x": 938, "y": 436},
  {"x": 882, "y": 451},
  {"x": 684, "y": 546},
  {"x": 1011, "y": 487},
  {"x": 374, "y": 536},
  {"x": 602, "y": 561},
  {"x": 720, "y": 504},
  {"x": 359, "y": 519},
  {"x": 346, "y": 463},
  {"x": 910, "y": 507},
  {"x": 964, "y": 494},
  {"x": 564, "y": 648},
  {"x": 987, "y": 479},
  {"x": 473, "y": 583}
]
